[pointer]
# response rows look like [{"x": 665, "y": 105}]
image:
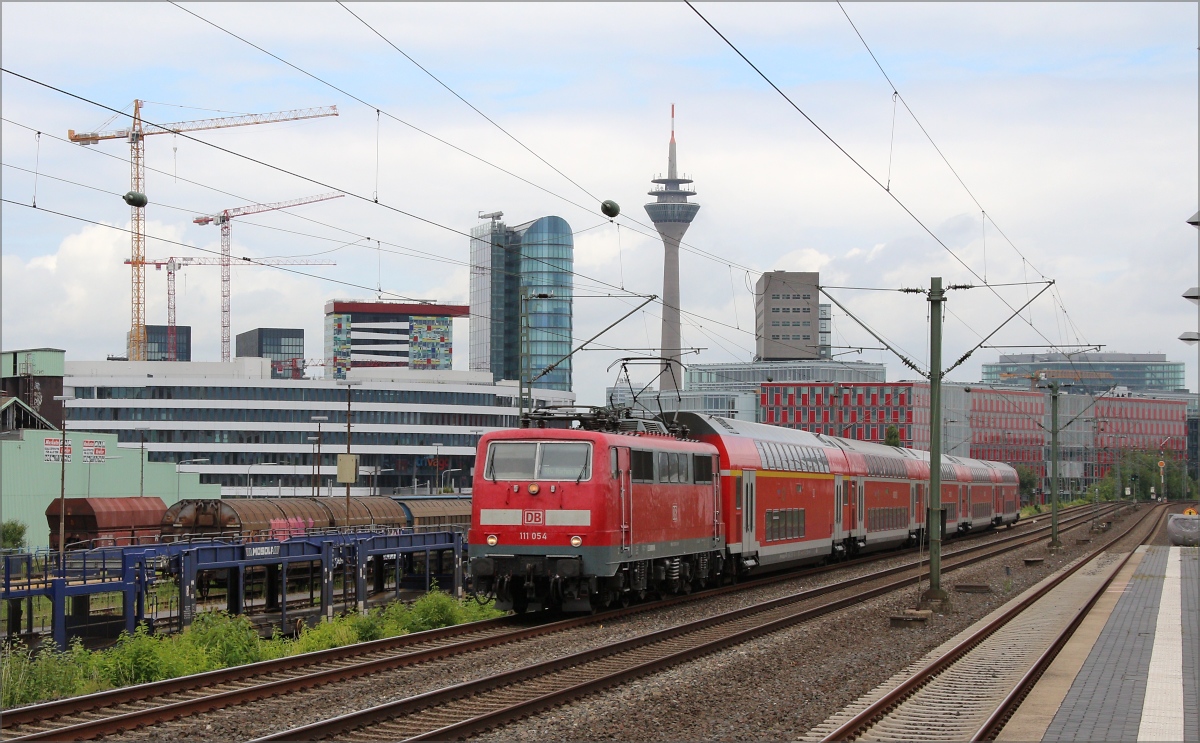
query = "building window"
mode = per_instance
[{"x": 806, "y": 309}]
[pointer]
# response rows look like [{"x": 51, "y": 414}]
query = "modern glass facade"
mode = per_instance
[
  {"x": 747, "y": 376},
  {"x": 537, "y": 257},
  {"x": 156, "y": 343},
  {"x": 1095, "y": 372},
  {"x": 284, "y": 346}
]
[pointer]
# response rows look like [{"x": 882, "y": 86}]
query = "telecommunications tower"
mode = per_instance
[{"x": 671, "y": 215}]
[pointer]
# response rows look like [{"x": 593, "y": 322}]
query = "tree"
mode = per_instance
[
  {"x": 1027, "y": 479},
  {"x": 891, "y": 437},
  {"x": 12, "y": 535}
]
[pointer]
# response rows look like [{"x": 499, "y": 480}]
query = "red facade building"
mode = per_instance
[{"x": 1003, "y": 425}]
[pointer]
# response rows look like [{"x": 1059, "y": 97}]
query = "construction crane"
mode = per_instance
[
  {"x": 135, "y": 135},
  {"x": 222, "y": 219},
  {"x": 173, "y": 265}
]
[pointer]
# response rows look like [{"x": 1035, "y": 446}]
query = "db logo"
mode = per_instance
[{"x": 535, "y": 518}]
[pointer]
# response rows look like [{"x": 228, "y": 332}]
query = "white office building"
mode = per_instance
[{"x": 254, "y": 435}]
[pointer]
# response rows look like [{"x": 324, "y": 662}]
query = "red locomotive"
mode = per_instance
[{"x": 618, "y": 507}]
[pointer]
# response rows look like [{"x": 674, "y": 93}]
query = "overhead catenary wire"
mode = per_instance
[
  {"x": 331, "y": 85},
  {"x": 258, "y": 262},
  {"x": 400, "y": 249},
  {"x": 344, "y": 191},
  {"x": 651, "y": 233},
  {"x": 985, "y": 217},
  {"x": 859, "y": 165},
  {"x": 294, "y": 174}
]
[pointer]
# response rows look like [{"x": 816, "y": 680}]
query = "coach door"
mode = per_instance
[
  {"x": 838, "y": 501},
  {"x": 749, "y": 511},
  {"x": 718, "y": 522},
  {"x": 621, "y": 472},
  {"x": 861, "y": 511},
  {"x": 913, "y": 505}
]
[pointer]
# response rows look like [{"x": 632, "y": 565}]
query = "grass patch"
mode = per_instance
[{"x": 215, "y": 640}]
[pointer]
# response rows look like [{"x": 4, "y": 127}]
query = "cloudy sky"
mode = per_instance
[{"x": 1074, "y": 127}]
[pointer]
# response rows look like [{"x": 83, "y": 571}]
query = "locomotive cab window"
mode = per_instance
[
  {"x": 539, "y": 461},
  {"x": 702, "y": 465}
]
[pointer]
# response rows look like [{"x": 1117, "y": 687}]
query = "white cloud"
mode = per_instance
[{"x": 1074, "y": 125}]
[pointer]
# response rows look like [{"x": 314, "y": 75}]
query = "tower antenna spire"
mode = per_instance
[{"x": 672, "y": 122}]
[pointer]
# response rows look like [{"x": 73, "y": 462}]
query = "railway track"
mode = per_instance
[
  {"x": 968, "y": 688},
  {"x": 124, "y": 709},
  {"x": 462, "y": 709}
]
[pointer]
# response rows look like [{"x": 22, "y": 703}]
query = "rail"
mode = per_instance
[
  {"x": 864, "y": 720},
  {"x": 383, "y": 654}
]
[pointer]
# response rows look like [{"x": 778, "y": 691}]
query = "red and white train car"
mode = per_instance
[{"x": 578, "y": 518}]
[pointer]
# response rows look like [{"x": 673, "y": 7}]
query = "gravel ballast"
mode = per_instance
[{"x": 774, "y": 687}]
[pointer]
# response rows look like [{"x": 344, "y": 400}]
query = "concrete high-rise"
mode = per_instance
[
  {"x": 671, "y": 214},
  {"x": 789, "y": 321}
]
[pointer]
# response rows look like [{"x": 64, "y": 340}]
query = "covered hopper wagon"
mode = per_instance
[
  {"x": 276, "y": 518},
  {"x": 107, "y": 522}
]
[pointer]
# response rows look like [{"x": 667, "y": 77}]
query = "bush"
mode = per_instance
[
  {"x": 230, "y": 640},
  {"x": 141, "y": 658},
  {"x": 214, "y": 640},
  {"x": 326, "y": 635},
  {"x": 12, "y": 534}
]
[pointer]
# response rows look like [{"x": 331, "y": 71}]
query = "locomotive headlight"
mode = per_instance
[
  {"x": 492, "y": 540},
  {"x": 576, "y": 541},
  {"x": 534, "y": 488}
]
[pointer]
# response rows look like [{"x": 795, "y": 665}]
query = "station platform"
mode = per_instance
[{"x": 1129, "y": 671}]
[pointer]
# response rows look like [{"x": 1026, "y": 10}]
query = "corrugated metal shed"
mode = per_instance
[{"x": 30, "y": 477}]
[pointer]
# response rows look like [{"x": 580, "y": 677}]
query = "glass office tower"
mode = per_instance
[{"x": 537, "y": 257}]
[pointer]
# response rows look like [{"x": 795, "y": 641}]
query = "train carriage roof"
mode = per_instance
[
  {"x": 434, "y": 507},
  {"x": 880, "y": 459}
]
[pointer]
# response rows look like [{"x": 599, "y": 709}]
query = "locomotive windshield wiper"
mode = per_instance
[{"x": 582, "y": 470}]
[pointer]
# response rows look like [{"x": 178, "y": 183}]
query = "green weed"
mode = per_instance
[{"x": 214, "y": 640}]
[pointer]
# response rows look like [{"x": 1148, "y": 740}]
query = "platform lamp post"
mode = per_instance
[
  {"x": 375, "y": 478},
  {"x": 437, "y": 464},
  {"x": 142, "y": 456},
  {"x": 318, "y": 419},
  {"x": 62, "y": 494},
  {"x": 180, "y": 464},
  {"x": 349, "y": 384},
  {"x": 1192, "y": 338}
]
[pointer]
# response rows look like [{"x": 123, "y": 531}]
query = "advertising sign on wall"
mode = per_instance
[
  {"x": 51, "y": 447},
  {"x": 94, "y": 450}
]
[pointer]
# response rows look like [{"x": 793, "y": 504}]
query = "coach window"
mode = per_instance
[{"x": 737, "y": 492}]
